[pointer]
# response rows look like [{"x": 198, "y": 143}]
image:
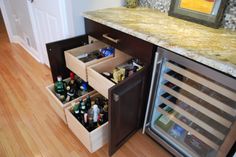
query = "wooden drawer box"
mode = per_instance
[
  {"x": 57, "y": 105},
  {"x": 91, "y": 140},
  {"x": 99, "y": 82},
  {"x": 79, "y": 67}
]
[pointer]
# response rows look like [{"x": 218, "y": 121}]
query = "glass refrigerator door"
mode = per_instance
[{"x": 191, "y": 112}]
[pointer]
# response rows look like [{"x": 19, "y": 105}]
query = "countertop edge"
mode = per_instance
[{"x": 226, "y": 68}]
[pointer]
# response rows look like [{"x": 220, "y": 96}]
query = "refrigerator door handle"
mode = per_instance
[{"x": 157, "y": 61}]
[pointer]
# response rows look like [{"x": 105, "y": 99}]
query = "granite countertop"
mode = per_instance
[{"x": 213, "y": 47}]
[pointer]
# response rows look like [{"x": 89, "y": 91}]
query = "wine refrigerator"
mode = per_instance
[{"x": 191, "y": 108}]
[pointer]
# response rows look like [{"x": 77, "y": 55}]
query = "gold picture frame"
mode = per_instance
[{"x": 206, "y": 12}]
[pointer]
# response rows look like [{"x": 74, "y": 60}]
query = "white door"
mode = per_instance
[{"x": 49, "y": 23}]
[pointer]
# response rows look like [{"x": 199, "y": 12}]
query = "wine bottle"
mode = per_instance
[
  {"x": 98, "y": 102},
  {"x": 82, "y": 108},
  {"x": 88, "y": 102},
  {"x": 105, "y": 111},
  {"x": 76, "y": 110},
  {"x": 90, "y": 120},
  {"x": 70, "y": 94},
  {"x": 72, "y": 82},
  {"x": 59, "y": 88}
]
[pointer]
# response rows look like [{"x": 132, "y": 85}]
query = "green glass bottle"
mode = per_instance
[
  {"x": 82, "y": 109},
  {"x": 75, "y": 107},
  {"x": 59, "y": 88},
  {"x": 88, "y": 102}
]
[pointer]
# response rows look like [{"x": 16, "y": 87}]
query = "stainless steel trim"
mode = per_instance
[
  {"x": 111, "y": 39},
  {"x": 156, "y": 62}
]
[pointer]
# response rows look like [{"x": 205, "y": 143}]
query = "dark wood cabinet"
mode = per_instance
[
  {"x": 56, "y": 54},
  {"x": 128, "y": 99}
]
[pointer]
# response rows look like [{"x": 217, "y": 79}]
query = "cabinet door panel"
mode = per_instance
[
  {"x": 126, "y": 102},
  {"x": 56, "y": 54}
]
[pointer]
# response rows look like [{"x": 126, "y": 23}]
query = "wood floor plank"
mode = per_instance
[{"x": 28, "y": 125}]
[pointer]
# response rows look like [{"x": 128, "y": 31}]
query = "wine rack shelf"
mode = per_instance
[
  {"x": 202, "y": 80},
  {"x": 189, "y": 129},
  {"x": 194, "y": 119},
  {"x": 195, "y": 109}
]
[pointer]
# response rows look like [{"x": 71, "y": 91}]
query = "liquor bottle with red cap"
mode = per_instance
[
  {"x": 71, "y": 88},
  {"x": 72, "y": 82}
]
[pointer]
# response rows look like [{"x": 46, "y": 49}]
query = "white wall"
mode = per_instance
[
  {"x": 80, "y": 6},
  {"x": 18, "y": 16},
  {"x": 19, "y": 19}
]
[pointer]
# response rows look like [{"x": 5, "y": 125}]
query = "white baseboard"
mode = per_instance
[{"x": 17, "y": 39}]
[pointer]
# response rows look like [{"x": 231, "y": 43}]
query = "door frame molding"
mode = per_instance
[
  {"x": 6, "y": 21},
  {"x": 35, "y": 33},
  {"x": 65, "y": 25}
]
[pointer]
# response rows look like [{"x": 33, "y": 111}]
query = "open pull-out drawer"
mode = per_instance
[
  {"x": 79, "y": 67},
  {"x": 128, "y": 96},
  {"x": 91, "y": 140},
  {"x": 99, "y": 82},
  {"x": 57, "y": 105}
]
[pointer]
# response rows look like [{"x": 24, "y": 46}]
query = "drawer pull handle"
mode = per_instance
[
  {"x": 116, "y": 97},
  {"x": 111, "y": 39}
]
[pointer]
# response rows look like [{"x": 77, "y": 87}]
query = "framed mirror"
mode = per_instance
[{"x": 206, "y": 12}]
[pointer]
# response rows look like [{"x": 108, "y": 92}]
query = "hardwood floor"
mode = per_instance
[{"x": 29, "y": 127}]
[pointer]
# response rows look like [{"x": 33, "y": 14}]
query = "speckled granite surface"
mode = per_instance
[
  {"x": 229, "y": 18},
  {"x": 213, "y": 47}
]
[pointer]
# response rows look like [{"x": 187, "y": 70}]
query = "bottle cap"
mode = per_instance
[
  {"x": 72, "y": 76},
  {"x": 59, "y": 78},
  {"x": 84, "y": 86}
]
